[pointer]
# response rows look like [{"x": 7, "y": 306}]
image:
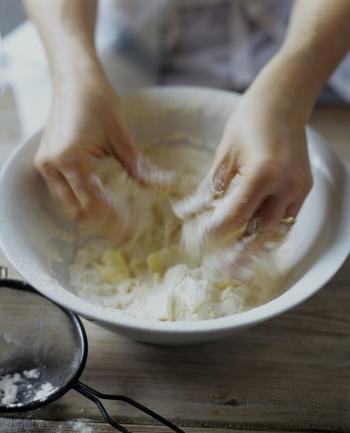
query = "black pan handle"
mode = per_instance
[{"x": 96, "y": 396}]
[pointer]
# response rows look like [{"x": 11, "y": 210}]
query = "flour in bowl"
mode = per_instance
[{"x": 152, "y": 276}]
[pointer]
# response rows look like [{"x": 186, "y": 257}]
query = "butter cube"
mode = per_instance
[{"x": 114, "y": 267}]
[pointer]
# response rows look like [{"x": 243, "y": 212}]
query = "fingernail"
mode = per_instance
[{"x": 218, "y": 181}]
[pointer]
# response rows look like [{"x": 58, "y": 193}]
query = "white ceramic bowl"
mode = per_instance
[{"x": 321, "y": 234}]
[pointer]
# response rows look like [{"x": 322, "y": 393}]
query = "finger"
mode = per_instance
[
  {"x": 221, "y": 177},
  {"x": 60, "y": 189},
  {"x": 114, "y": 220},
  {"x": 86, "y": 186},
  {"x": 237, "y": 260},
  {"x": 212, "y": 187},
  {"x": 226, "y": 264},
  {"x": 150, "y": 174},
  {"x": 194, "y": 236},
  {"x": 100, "y": 212},
  {"x": 239, "y": 206},
  {"x": 139, "y": 166},
  {"x": 228, "y": 221},
  {"x": 243, "y": 261},
  {"x": 195, "y": 203},
  {"x": 271, "y": 212},
  {"x": 293, "y": 209}
]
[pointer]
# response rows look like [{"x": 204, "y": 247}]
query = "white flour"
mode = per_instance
[
  {"x": 76, "y": 427},
  {"x": 81, "y": 427},
  {"x": 8, "y": 387},
  {"x": 44, "y": 391},
  {"x": 26, "y": 381},
  {"x": 31, "y": 374},
  {"x": 152, "y": 276}
]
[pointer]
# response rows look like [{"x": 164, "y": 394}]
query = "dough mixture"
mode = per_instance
[{"x": 152, "y": 276}]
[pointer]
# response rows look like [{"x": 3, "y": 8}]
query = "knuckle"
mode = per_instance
[
  {"x": 271, "y": 223},
  {"x": 295, "y": 179},
  {"x": 305, "y": 187},
  {"x": 308, "y": 184},
  {"x": 93, "y": 206},
  {"x": 44, "y": 166},
  {"x": 293, "y": 187},
  {"x": 60, "y": 160},
  {"x": 78, "y": 215},
  {"x": 63, "y": 161},
  {"x": 272, "y": 217},
  {"x": 269, "y": 169},
  {"x": 66, "y": 160},
  {"x": 239, "y": 220},
  {"x": 88, "y": 207}
]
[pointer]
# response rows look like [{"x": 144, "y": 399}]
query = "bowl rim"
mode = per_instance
[{"x": 293, "y": 296}]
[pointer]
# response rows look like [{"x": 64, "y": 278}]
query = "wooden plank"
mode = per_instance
[
  {"x": 290, "y": 373},
  {"x": 83, "y": 426}
]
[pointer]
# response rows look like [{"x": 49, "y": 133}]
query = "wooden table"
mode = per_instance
[{"x": 288, "y": 374}]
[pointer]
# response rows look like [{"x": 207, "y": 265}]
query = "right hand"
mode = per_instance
[
  {"x": 85, "y": 124},
  {"x": 264, "y": 151}
]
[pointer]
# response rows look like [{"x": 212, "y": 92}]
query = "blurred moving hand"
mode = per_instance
[
  {"x": 264, "y": 150},
  {"x": 263, "y": 143},
  {"x": 85, "y": 124}
]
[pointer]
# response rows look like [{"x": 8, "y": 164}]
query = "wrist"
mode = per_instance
[
  {"x": 76, "y": 64},
  {"x": 81, "y": 77},
  {"x": 287, "y": 84}
]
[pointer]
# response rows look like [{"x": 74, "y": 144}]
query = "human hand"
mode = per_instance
[
  {"x": 263, "y": 156},
  {"x": 86, "y": 124}
]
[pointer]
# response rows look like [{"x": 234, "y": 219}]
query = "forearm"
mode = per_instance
[
  {"x": 67, "y": 30},
  {"x": 317, "y": 39}
]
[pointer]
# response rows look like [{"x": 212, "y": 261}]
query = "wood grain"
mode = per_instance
[
  {"x": 288, "y": 374},
  {"x": 30, "y": 426}
]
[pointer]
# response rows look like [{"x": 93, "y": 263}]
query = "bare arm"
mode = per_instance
[
  {"x": 264, "y": 142},
  {"x": 67, "y": 30},
  {"x": 317, "y": 39},
  {"x": 86, "y": 121}
]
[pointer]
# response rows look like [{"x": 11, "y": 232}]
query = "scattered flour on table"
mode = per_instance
[
  {"x": 152, "y": 276},
  {"x": 81, "y": 427}
]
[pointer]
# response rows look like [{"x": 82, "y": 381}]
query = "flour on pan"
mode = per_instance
[{"x": 24, "y": 385}]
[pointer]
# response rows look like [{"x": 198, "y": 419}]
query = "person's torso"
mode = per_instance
[{"x": 218, "y": 43}]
